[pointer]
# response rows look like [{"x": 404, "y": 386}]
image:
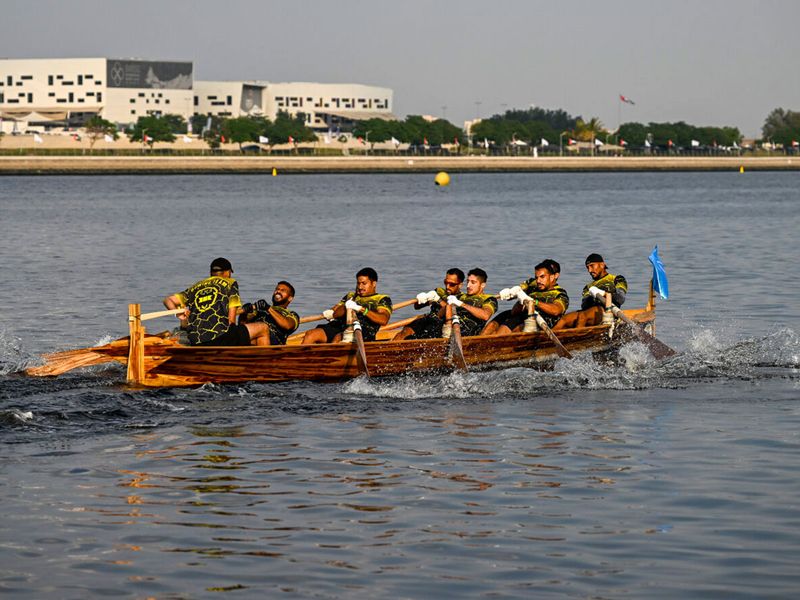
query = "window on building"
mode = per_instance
[
  {"x": 51, "y": 94},
  {"x": 229, "y": 100},
  {"x": 49, "y": 80},
  {"x": 133, "y": 111},
  {"x": 98, "y": 82},
  {"x": 59, "y": 77},
  {"x": 132, "y": 100},
  {"x": 71, "y": 97},
  {"x": 90, "y": 93},
  {"x": 13, "y": 101},
  {"x": 2, "y": 97},
  {"x": 157, "y": 101},
  {"x": 88, "y": 76},
  {"x": 61, "y": 100},
  {"x": 81, "y": 100},
  {"x": 65, "y": 82},
  {"x": 196, "y": 101},
  {"x": 80, "y": 79},
  {"x": 30, "y": 97},
  {"x": 99, "y": 96},
  {"x": 9, "y": 80},
  {"x": 166, "y": 101},
  {"x": 27, "y": 77}
]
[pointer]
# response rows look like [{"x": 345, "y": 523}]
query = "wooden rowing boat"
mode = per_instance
[{"x": 161, "y": 361}]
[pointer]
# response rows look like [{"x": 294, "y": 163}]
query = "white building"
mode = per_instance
[
  {"x": 325, "y": 105},
  {"x": 67, "y": 91},
  {"x": 54, "y": 93}
]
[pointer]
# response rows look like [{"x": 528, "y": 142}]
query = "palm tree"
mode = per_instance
[{"x": 587, "y": 131}]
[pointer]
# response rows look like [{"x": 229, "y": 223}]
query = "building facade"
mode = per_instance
[{"x": 66, "y": 92}]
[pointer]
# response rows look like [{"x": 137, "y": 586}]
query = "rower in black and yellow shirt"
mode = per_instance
[
  {"x": 211, "y": 305},
  {"x": 372, "y": 310},
  {"x": 430, "y": 325},
  {"x": 475, "y": 307},
  {"x": 593, "y": 296},
  {"x": 550, "y": 300},
  {"x": 281, "y": 321}
]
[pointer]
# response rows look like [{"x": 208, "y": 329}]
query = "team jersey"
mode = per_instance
[
  {"x": 208, "y": 302},
  {"x": 369, "y": 329},
  {"x": 614, "y": 284},
  {"x": 278, "y": 332},
  {"x": 435, "y": 306},
  {"x": 557, "y": 295},
  {"x": 471, "y": 325}
]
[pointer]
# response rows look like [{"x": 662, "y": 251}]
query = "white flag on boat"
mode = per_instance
[
  {"x": 187, "y": 139},
  {"x": 545, "y": 143},
  {"x": 695, "y": 143},
  {"x": 263, "y": 139},
  {"x": 108, "y": 138},
  {"x": 37, "y": 138}
]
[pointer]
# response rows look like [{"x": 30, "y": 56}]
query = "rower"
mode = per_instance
[
  {"x": 549, "y": 299},
  {"x": 371, "y": 308},
  {"x": 593, "y": 296},
  {"x": 430, "y": 325},
  {"x": 280, "y": 321},
  {"x": 475, "y": 307},
  {"x": 211, "y": 306}
]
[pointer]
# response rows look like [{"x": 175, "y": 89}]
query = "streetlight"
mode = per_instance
[{"x": 561, "y": 143}]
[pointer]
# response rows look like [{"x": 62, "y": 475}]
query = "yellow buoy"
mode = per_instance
[
  {"x": 442, "y": 179},
  {"x": 741, "y": 169},
  {"x": 274, "y": 171}
]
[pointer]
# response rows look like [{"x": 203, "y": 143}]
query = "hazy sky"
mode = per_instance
[{"x": 707, "y": 62}]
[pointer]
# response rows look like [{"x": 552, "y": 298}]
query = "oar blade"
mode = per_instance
[
  {"x": 362, "y": 352},
  {"x": 457, "y": 348}
]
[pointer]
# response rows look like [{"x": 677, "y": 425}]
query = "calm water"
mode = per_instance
[{"x": 678, "y": 479}]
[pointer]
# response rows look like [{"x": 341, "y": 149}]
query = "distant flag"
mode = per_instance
[
  {"x": 108, "y": 138},
  {"x": 486, "y": 143},
  {"x": 395, "y": 141},
  {"x": 735, "y": 145},
  {"x": 623, "y": 142},
  {"x": 37, "y": 138},
  {"x": 189, "y": 127},
  {"x": 186, "y": 139},
  {"x": 695, "y": 143},
  {"x": 425, "y": 142},
  {"x": 208, "y": 123},
  {"x": 660, "y": 283},
  {"x": 76, "y": 137},
  {"x": 326, "y": 138},
  {"x": 456, "y": 143},
  {"x": 626, "y": 100},
  {"x": 262, "y": 139},
  {"x": 597, "y": 142},
  {"x": 291, "y": 140},
  {"x": 670, "y": 144},
  {"x": 795, "y": 143},
  {"x": 360, "y": 140},
  {"x": 222, "y": 138},
  {"x": 647, "y": 143},
  {"x": 570, "y": 141},
  {"x": 147, "y": 138},
  {"x": 545, "y": 143}
]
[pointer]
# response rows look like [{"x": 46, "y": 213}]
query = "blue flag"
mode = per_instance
[{"x": 660, "y": 283}]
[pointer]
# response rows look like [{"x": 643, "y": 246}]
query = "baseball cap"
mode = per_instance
[{"x": 221, "y": 264}]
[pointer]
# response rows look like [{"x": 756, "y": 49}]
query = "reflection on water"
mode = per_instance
[{"x": 522, "y": 497}]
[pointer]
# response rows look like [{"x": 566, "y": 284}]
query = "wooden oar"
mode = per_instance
[
  {"x": 353, "y": 322},
  {"x": 657, "y": 348},
  {"x": 456, "y": 348},
  {"x": 311, "y": 318},
  {"x": 553, "y": 338}
]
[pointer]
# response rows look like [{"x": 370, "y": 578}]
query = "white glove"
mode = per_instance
[
  {"x": 596, "y": 292},
  {"x": 433, "y": 296},
  {"x": 422, "y": 298},
  {"x": 328, "y": 314},
  {"x": 454, "y": 301},
  {"x": 352, "y": 305},
  {"x": 506, "y": 294},
  {"x": 523, "y": 297}
]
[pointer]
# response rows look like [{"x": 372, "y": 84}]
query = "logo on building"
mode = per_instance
[{"x": 117, "y": 74}]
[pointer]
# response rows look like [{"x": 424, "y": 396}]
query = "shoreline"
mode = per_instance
[{"x": 182, "y": 165}]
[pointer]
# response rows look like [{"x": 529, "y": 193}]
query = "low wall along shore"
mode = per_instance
[{"x": 62, "y": 165}]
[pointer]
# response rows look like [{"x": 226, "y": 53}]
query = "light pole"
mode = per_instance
[{"x": 561, "y": 143}]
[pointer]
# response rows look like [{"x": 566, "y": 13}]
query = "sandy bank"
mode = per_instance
[{"x": 55, "y": 165}]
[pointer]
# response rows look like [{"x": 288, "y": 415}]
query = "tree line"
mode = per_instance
[{"x": 529, "y": 126}]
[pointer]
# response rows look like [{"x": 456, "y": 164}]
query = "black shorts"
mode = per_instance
[
  {"x": 237, "y": 335},
  {"x": 332, "y": 329},
  {"x": 511, "y": 320},
  {"x": 427, "y": 327}
]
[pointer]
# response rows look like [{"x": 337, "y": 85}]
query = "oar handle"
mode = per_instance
[{"x": 160, "y": 313}]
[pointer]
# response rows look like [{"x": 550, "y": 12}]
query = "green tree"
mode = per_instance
[
  {"x": 782, "y": 126},
  {"x": 287, "y": 127},
  {"x": 156, "y": 129},
  {"x": 586, "y": 131},
  {"x": 242, "y": 129},
  {"x": 97, "y": 127}
]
